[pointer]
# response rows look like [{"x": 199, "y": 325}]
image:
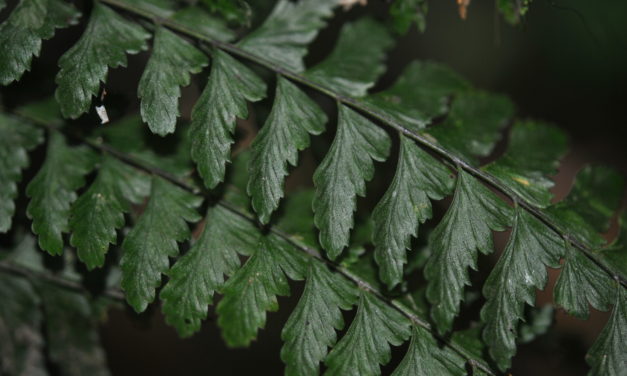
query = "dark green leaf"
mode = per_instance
[
  {"x": 283, "y": 37},
  {"x": 357, "y": 59},
  {"x": 105, "y": 43},
  {"x": 297, "y": 218},
  {"x": 130, "y": 136},
  {"x": 590, "y": 205},
  {"x": 582, "y": 282},
  {"x": 464, "y": 230},
  {"x": 21, "y": 342},
  {"x": 406, "y": 12},
  {"x": 513, "y": 10},
  {"x": 197, "y": 274},
  {"x": 425, "y": 358},
  {"x": 230, "y": 85},
  {"x": 615, "y": 255},
  {"x": 366, "y": 345},
  {"x": 470, "y": 340},
  {"x": 99, "y": 212},
  {"x": 72, "y": 335},
  {"x": 533, "y": 153},
  {"x": 21, "y": 34},
  {"x": 473, "y": 125},
  {"x": 537, "y": 323},
  {"x": 513, "y": 282},
  {"x": 342, "y": 176},
  {"x": 310, "y": 330},
  {"x": 419, "y": 94},
  {"x": 172, "y": 61},
  {"x": 607, "y": 356},
  {"x": 159, "y": 8},
  {"x": 45, "y": 111},
  {"x": 286, "y": 131},
  {"x": 153, "y": 240},
  {"x": 236, "y": 180},
  {"x": 419, "y": 177},
  {"x": 16, "y": 139},
  {"x": 236, "y": 11},
  {"x": 253, "y": 290},
  {"x": 53, "y": 190},
  {"x": 196, "y": 19}
]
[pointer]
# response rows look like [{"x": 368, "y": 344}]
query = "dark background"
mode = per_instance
[{"x": 566, "y": 63}]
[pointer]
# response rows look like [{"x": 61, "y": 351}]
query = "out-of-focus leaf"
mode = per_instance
[
  {"x": 474, "y": 124},
  {"x": 195, "y": 18},
  {"x": 532, "y": 154},
  {"x": 53, "y": 190},
  {"x": 22, "y": 33},
  {"x": 356, "y": 61},
  {"x": 283, "y": 37},
  {"x": 590, "y": 205},
  {"x": 406, "y": 12},
  {"x": 17, "y": 137},
  {"x": 419, "y": 94},
  {"x": 21, "y": 342}
]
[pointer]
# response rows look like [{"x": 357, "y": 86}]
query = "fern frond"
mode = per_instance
[
  {"x": 99, "y": 212},
  {"x": 406, "y": 203},
  {"x": 366, "y": 345},
  {"x": 471, "y": 126},
  {"x": 105, "y": 43},
  {"x": 342, "y": 175},
  {"x": 172, "y": 61},
  {"x": 16, "y": 139},
  {"x": 513, "y": 281},
  {"x": 254, "y": 288},
  {"x": 465, "y": 229},
  {"x": 202, "y": 270},
  {"x": 311, "y": 328},
  {"x": 154, "y": 238},
  {"x": 53, "y": 190},
  {"x": 22, "y": 33},
  {"x": 223, "y": 100},
  {"x": 607, "y": 355}
]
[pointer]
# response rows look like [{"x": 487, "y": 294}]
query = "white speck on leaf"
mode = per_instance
[{"x": 102, "y": 113}]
